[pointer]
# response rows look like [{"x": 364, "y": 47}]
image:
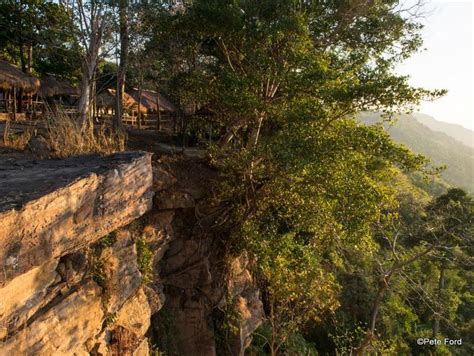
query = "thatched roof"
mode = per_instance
[
  {"x": 149, "y": 101},
  {"x": 11, "y": 76},
  {"x": 51, "y": 86},
  {"x": 106, "y": 99}
]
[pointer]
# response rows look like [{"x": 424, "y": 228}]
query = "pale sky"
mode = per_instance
[{"x": 447, "y": 62}]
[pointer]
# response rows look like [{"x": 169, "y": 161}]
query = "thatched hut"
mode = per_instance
[
  {"x": 14, "y": 86},
  {"x": 151, "y": 101},
  {"x": 52, "y": 86},
  {"x": 106, "y": 102}
]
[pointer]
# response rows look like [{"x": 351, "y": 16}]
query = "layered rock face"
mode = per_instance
[
  {"x": 93, "y": 264},
  {"x": 70, "y": 283},
  {"x": 205, "y": 289}
]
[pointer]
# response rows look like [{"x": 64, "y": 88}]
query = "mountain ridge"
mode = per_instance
[
  {"x": 440, "y": 147},
  {"x": 456, "y": 131}
]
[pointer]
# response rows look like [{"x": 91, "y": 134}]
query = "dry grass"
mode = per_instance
[
  {"x": 18, "y": 141},
  {"x": 59, "y": 136},
  {"x": 65, "y": 138}
]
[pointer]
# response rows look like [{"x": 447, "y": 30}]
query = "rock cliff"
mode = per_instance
[{"x": 93, "y": 264}]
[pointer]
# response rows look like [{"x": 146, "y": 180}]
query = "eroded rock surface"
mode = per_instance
[
  {"x": 71, "y": 282},
  {"x": 88, "y": 273},
  {"x": 194, "y": 271},
  {"x": 50, "y": 208}
]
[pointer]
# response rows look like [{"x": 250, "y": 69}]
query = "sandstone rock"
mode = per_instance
[
  {"x": 63, "y": 329},
  {"x": 249, "y": 307},
  {"x": 173, "y": 200},
  {"x": 156, "y": 297},
  {"x": 123, "y": 342},
  {"x": 143, "y": 349},
  {"x": 135, "y": 314},
  {"x": 122, "y": 277},
  {"x": 162, "y": 179},
  {"x": 186, "y": 276},
  {"x": 26, "y": 293},
  {"x": 54, "y": 207},
  {"x": 247, "y": 304},
  {"x": 72, "y": 268}
]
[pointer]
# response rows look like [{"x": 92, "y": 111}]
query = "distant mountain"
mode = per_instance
[
  {"x": 440, "y": 147},
  {"x": 457, "y": 132}
]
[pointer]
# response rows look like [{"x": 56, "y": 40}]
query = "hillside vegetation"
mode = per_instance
[{"x": 442, "y": 148}]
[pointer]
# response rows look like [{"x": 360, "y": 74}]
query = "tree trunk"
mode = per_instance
[
  {"x": 84, "y": 100},
  {"x": 29, "y": 59},
  {"x": 441, "y": 283},
  {"x": 158, "y": 113},
  {"x": 254, "y": 134},
  {"x": 123, "y": 4},
  {"x": 139, "y": 115},
  {"x": 383, "y": 286},
  {"x": 97, "y": 24}
]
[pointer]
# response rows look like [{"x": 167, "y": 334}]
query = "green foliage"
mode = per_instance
[
  {"x": 46, "y": 28},
  {"x": 295, "y": 345},
  {"x": 106, "y": 241},
  {"x": 227, "y": 322},
  {"x": 110, "y": 319},
  {"x": 144, "y": 260},
  {"x": 97, "y": 270},
  {"x": 302, "y": 181},
  {"x": 321, "y": 203}
]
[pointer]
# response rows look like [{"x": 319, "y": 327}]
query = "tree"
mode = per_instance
[
  {"x": 285, "y": 79},
  {"x": 122, "y": 68},
  {"x": 297, "y": 287},
  {"x": 446, "y": 235},
  {"x": 255, "y": 61},
  {"x": 93, "y": 20}
]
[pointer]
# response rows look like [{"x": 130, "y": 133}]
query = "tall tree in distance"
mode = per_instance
[
  {"x": 122, "y": 68},
  {"x": 93, "y": 20}
]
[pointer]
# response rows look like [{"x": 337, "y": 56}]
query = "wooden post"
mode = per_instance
[
  {"x": 5, "y": 132},
  {"x": 34, "y": 106},
  {"x": 14, "y": 103},
  {"x": 175, "y": 122},
  {"x": 20, "y": 100},
  {"x": 158, "y": 111},
  {"x": 140, "y": 105},
  {"x": 7, "y": 100}
]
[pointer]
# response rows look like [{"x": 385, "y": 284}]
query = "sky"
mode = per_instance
[{"x": 447, "y": 61}]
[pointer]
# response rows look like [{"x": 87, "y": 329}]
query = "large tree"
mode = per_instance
[
  {"x": 92, "y": 23},
  {"x": 285, "y": 79}
]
